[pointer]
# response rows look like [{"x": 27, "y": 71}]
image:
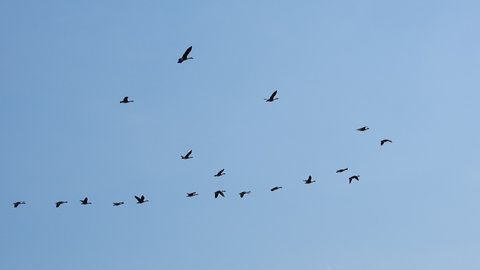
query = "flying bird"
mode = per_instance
[
  {"x": 187, "y": 156},
  {"x": 243, "y": 193},
  {"x": 382, "y": 142},
  {"x": 85, "y": 201},
  {"x": 16, "y": 204},
  {"x": 309, "y": 180},
  {"x": 192, "y": 194},
  {"x": 342, "y": 170},
  {"x": 275, "y": 188},
  {"x": 219, "y": 192},
  {"x": 272, "y": 97},
  {"x": 141, "y": 200},
  {"x": 220, "y": 173},
  {"x": 125, "y": 100},
  {"x": 118, "y": 203},
  {"x": 354, "y": 177},
  {"x": 57, "y": 204},
  {"x": 365, "y": 128},
  {"x": 185, "y": 55}
]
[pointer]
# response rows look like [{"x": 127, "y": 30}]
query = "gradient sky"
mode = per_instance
[{"x": 407, "y": 69}]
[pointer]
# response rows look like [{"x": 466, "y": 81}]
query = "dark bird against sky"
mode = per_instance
[
  {"x": 125, "y": 100},
  {"x": 220, "y": 173},
  {"x": 382, "y": 142},
  {"x": 185, "y": 55},
  {"x": 220, "y": 192},
  {"x": 341, "y": 170},
  {"x": 272, "y": 97},
  {"x": 141, "y": 199},
  {"x": 187, "y": 156},
  {"x": 354, "y": 177}
]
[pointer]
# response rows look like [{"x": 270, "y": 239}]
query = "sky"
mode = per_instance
[{"x": 406, "y": 69}]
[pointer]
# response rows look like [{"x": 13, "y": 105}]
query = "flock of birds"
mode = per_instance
[{"x": 141, "y": 199}]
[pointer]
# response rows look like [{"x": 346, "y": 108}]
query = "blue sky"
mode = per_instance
[{"x": 407, "y": 69}]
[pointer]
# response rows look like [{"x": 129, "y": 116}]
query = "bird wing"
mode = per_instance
[
  {"x": 216, "y": 194},
  {"x": 125, "y": 99},
  {"x": 189, "y": 153},
  {"x": 273, "y": 94},
  {"x": 187, "y": 51},
  {"x": 138, "y": 198}
]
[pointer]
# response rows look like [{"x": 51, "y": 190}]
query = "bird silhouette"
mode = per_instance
[
  {"x": 85, "y": 201},
  {"x": 354, "y": 177},
  {"x": 187, "y": 156},
  {"x": 118, "y": 203},
  {"x": 220, "y": 173},
  {"x": 309, "y": 180},
  {"x": 272, "y": 97},
  {"x": 185, "y": 55},
  {"x": 57, "y": 204},
  {"x": 220, "y": 192},
  {"x": 243, "y": 193},
  {"x": 342, "y": 170},
  {"x": 125, "y": 100},
  {"x": 365, "y": 128},
  {"x": 275, "y": 188},
  {"x": 16, "y": 204},
  {"x": 192, "y": 194},
  {"x": 141, "y": 200},
  {"x": 382, "y": 142}
]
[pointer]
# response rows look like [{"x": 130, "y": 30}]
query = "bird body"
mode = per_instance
[
  {"x": 353, "y": 177},
  {"x": 220, "y": 173},
  {"x": 125, "y": 100},
  {"x": 192, "y": 194},
  {"x": 275, "y": 188},
  {"x": 365, "y": 128},
  {"x": 85, "y": 201},
  {"x": 342, "y": 170},
  {"x": 57, "y": 204},
  {"x": 219, "y": 193},
  {"x": 185, "y": 55},
  {"x": 141, "y": 199},
  {"x": 243, "y": 193},
  {"x": 187, "y": 156},
  {"x": 272, "y": 97},
  {"x": 382, "y": 142},
  {"x": 309, "y": 180},
  {"x": 16, "y": 204}
]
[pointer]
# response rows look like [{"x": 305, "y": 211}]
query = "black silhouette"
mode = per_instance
[
  {"x": 118, "y": 203},
  {"x": 354, "y": 177},
  {"x": 125, "y": 100},
  {"x": 141, "y": 200},
  {"x": 187, "y": 156},
  {"x": 192, "y": 194},
  {"x": 16, "y": 204},
  {"x": 272, "y": 97},
  {"x": 309, "y": 180},
  {"x": 275, "y": 188},
  {"x": 57, "y": 204},
  {"x": 220, "y": 173},
  {"x": 365, "y": 128},
  {"x": 85, "y": 201},
  {"x": 219, "y": 192},
  {"x": 342, "y": 170},
  {"x": 185, "y": 55},
  {"x": 382, "y": 142},
  {"x": 243, "y": 193}
]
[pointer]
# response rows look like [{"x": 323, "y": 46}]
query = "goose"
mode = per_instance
[
  {"x": 309, "y": 180},
  {"x": 192, "y": 194},
  {"x": 187, "y": 156},
  {"x": 272, "y": 97},
  {"x": 341, "y": 170},
  {"x": 382, "y": 142},
  {"x": 220, "y": 192},
  {"x": 275, "y": 188},
  {"x": 16, "y": 204},
  {"x": 365, "y": 128},
  {"x": 118, "y": 203},
  {"x": 57, "y": 204},
  {"x": 243, "y": 193},
  {"x": 125, "y": 100},
  {"x": 85, "y": 201},
  {"x": 354, "y": 177},
  {"x": 220, "y": 173},
  {"x": 141, "y": 200},
  {"x": 185, "y": 55}
]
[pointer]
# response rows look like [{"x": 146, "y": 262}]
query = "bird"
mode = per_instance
[
  {"x": 125, "y": 100},
  {"x": 219, "y": 192},
  {"x": 275, "y": 188},
  {"x": 220, "y": 173},
  {"x": 382, "y": 142},
  {"x": 192, "y": 194},
  {"x": 354, "y": 177},
  {"x": 341, "y": 170},
  {"x": 187, "y": 156},
  {"x": 309, "y": 180},
  {"x": 141, "y": 200},
  {"x": 57, "y": 204},
  {"x": 16, "y": 204},
  {"x": 85, "y": 201},
  {"x": 118, "y": 203},
  {"x": 272, "y": 97},
  {"x": 243, "y": 193},
  {"x": 185, "y": 55},
  {"x": 365, "y": 128}
]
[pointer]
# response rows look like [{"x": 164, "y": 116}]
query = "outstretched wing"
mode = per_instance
[
  {"x": 185, "y": 54},
  {"x": 125, "y": 99},
  {"x": 188, "y": 154},
  {"x": 138, "y": 198},
  {"x": 273, "y": 95}
]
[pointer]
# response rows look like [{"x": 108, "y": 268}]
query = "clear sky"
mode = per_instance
[{"x": 407, "y": 69}]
